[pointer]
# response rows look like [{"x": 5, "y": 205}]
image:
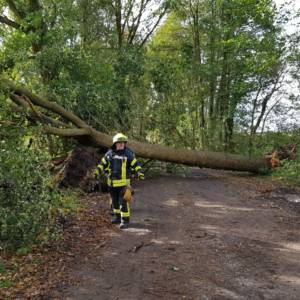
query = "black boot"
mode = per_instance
[
  {"x": 116, "y": 219},
  {"x": 124, "y": 223}
]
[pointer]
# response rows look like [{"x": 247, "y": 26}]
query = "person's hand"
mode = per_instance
[{"x": 141, "y": 176}]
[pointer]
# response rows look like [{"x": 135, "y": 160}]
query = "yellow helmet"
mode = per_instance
[{"x": 120, "y": 137}]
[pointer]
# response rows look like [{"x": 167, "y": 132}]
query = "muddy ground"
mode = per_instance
[{"x": 209, "y": 235}]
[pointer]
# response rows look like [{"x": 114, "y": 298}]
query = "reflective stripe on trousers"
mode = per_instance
[{"x": 119, "y": 204}]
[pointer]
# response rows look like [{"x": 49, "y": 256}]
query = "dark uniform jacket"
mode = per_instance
[{"x": 118, "y": 165}]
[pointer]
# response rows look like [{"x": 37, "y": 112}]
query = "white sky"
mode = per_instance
[{"x": 295, "y": 4}]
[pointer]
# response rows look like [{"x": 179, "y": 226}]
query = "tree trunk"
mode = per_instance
[{"x": 29, "y": 103}]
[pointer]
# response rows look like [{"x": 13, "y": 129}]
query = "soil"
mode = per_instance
[{"x": 206, "y": 236}]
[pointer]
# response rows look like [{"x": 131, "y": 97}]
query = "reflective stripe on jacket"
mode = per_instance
[{"x": 118, "y": 166}]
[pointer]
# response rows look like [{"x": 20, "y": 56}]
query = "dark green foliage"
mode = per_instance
[
  {"x": 266, "y": 144},
  {"x": 289, "y": 170},
  {"x": 5, "y": 283},
  {"x": 29, "y": 205}
]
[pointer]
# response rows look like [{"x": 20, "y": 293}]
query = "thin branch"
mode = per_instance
[
  {"x": 7, "y": 123},
  {"x": 39, "y": 101},
  {"x": 38, "y": 116},
  {"x": 153, "y": 28},
  {"x": 136, "y": 22},
  {"x": 19, "y": 101},
  {"x": 126, "y": 19},
  {"x": 25, "y": 107},
  {"x": 267, "y": 114},
  {"x": 106, "y": 130},
  {"x": 9, "y": 22},
  {"x": 255, "y": 106},
  {"x": 265, "y": 102}
]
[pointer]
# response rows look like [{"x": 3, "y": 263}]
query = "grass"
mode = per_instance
[
  {"x": 6, "y": 283},
  {"x": 2, "y": 268},
  {"x": 288, "y": 172}
]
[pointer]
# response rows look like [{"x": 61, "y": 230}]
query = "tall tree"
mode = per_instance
[{"x": 232, "y": 44}]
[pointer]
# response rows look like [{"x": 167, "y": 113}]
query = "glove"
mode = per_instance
[
  {"x": 141, "y": 176},
  {"x": 128, "y": 192}
]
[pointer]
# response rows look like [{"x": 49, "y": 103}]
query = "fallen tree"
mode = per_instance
[{"x": 70, "y": 125}]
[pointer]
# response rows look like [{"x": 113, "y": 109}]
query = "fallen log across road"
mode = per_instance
[{"x": 73, "y": 126}]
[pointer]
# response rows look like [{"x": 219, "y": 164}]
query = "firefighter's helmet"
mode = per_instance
[{"x": 120, "y": 137}]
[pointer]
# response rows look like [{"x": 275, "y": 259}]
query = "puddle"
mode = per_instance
[
  {"x": 138, "y": 231},
  {"x": 172, "y": 202},
  {"x": 294, "y": 198},
  {"x": 165, "y": 241},
  {"x": 221, "y": 207},
  {"x": 222, "y": 292},
  {"x": 175, "y": 242},
  {"x": 109, "y": 253},
  {"x": 112, "y": 234},
  {"x": 292, "y": 246},
  {"x": 288, "y": 195},
  {"x": 158, "y": 242},
  {"x": 290, "y": 279}
]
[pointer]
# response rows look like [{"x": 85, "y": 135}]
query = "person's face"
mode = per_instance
[{"x": 120, "y": 145}]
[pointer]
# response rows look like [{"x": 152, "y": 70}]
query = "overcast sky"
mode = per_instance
[
  {"x": 296, "y": 3},
  {"x": 291, "y": 27}
]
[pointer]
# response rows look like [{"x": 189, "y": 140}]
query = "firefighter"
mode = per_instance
[{"x": 118, "y": 163}]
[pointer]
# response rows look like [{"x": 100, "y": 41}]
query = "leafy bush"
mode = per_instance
[
  {"x": 289, "y": 170},
  {"x": 29, "y": 205},
  {"x": 267, "y": 143},
  {"x": 264, "y": 143}
]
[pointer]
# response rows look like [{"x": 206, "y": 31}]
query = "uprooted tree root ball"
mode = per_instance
[{"x": 77, "y": 169}]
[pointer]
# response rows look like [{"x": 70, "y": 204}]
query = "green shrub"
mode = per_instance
[
  {"x": 289, "y": 170},
  {"x": 264, "y": 143},
  {"x": 5, "y": 283},
  {"x": 29, "y": 205}
]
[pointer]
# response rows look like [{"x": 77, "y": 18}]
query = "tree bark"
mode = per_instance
[
  {"x": 11, "y": 23},
  {"x": 206, "y": 159}
]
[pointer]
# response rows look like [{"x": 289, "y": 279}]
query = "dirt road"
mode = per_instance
[{"x": 200, "y": 237}]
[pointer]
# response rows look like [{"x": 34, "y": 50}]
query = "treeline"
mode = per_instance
[{"x": 187, "y": 72}]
